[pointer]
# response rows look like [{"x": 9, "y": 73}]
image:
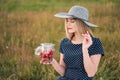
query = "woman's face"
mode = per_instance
[{"x": 70, "y": 25}]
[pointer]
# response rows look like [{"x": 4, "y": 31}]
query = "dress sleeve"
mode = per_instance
[
  {"x": 61, "y": 46},
  {"x": 96, "y": 47}
]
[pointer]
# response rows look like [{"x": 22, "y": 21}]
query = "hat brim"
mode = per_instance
[
  {"x": 90, "y": 24},
  {"x": 63, "y": 15},
  {"x": 66, "y": 15}
]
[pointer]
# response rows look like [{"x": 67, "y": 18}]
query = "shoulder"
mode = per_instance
[
  {"x": 96, "y": 40},
  {"x": 64, "y": 40},
  {"x": 96, "y": 47}
]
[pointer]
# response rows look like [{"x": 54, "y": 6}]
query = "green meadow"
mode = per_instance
[{"x": 24, "y": 24}]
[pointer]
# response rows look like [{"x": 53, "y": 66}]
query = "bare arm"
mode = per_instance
[
  {"x": 91, "y": 62},
  {"x": 59, "y": 67}
]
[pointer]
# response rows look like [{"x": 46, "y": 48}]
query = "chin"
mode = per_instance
[{"x": 70, "y": 32}]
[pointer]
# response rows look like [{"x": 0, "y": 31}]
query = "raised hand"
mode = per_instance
[{"x": 87, "y": 41}]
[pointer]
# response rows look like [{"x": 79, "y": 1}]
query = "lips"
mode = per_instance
[{"x": 69, "y": 28}]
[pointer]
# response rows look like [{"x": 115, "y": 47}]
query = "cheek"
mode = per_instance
[{"x": 74, "y": 27}]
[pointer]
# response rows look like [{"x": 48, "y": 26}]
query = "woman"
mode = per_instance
[{"x": 80, "y": 52}]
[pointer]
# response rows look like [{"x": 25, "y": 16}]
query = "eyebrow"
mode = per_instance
[{"x": 72, "y": 18}]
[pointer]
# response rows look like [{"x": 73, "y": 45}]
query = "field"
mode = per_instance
[{"x": 24, "y": 24}]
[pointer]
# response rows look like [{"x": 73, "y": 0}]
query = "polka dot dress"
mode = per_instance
[{"x": 73, "y": 58}]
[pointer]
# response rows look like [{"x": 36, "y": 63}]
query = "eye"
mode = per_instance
[{"x": 72, "y": 21}]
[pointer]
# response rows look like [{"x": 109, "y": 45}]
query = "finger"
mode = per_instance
[
  {"x": 84, "y": 35},
  {"x": 41, "y": 62},
  {"x": 45, "y": 63},
  {"x": 87, "y": 32}
]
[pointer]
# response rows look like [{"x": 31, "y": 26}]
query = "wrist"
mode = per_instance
[
  {"x": 53, "y": 61},
  {"x": 84, "y": 49}
]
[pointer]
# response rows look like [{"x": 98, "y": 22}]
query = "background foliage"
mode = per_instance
[{"x": 24, "y": 24}]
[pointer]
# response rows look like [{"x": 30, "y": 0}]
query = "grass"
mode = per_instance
[{"x": 25, "y": 24}]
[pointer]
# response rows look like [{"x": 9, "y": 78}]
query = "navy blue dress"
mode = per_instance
[{"x": 73, "y": 58}]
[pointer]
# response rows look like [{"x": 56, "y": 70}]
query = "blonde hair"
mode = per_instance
[{"x": 81, "y": 28}]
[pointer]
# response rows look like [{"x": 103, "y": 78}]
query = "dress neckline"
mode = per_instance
[{"x": 74, "y": 43}]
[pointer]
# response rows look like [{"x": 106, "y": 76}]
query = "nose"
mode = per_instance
[{"x": 68, "y": 23}]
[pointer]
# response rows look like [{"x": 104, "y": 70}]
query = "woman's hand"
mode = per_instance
[
  {"x": 87, "y": 41},
  {"x": 49, "y": 62},
  {"x": 42, "y": 61}
]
